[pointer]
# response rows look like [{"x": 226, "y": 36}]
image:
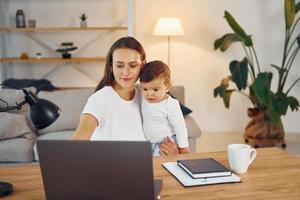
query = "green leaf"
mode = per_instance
[
  {"x": 280, "y": 103},
  {"x": 289, "y": 11},
  {"x": 293, "y": 103},
  {"x": 239, "y": 72},
  {"x": 297, "y": 7},
  {"x": 226, "y": 40},
  {"x": 220, "y": 90},
  {"x": 262, "y": 88},
  {"x": 226, "y": 97},
  {"x": 238, "y": 29}
]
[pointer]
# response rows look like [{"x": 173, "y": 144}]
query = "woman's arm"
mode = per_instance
[{"x": 86, "y": 127}]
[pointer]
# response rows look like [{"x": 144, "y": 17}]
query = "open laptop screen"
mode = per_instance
[{"x": 96, "y": 169}]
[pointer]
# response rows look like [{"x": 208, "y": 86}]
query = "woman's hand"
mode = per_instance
[{"x": 168, "y": 147}]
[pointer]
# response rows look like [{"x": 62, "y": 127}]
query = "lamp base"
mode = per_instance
[{"x": 5, "y": 189}]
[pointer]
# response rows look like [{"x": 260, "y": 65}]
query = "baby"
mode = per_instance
[{"x": 161, "y": 113}]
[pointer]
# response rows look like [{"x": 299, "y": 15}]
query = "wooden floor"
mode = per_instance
[{"x": 209, "y": 142}]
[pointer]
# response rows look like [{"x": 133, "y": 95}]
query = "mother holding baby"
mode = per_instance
[{"x": 113, "y": 110}]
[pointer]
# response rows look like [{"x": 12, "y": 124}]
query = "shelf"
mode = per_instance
[
  {"x": 62, "y": 29},
  {"x": 52, "y": 60},
  {"x": 74, "y": 87}
]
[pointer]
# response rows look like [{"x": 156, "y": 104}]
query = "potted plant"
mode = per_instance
[
  {"x": 249, "y": 80},
  {"x": 83, "y": 20},
  {"x": 65, "y": 48}
]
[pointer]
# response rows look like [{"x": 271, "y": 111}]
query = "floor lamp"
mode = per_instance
[{"x": 168, "y": 26}]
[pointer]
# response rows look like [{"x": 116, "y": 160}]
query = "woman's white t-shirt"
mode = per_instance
[{"x": 117, "y": 118}]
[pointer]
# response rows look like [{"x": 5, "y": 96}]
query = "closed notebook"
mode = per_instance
[{"x": 203, "y": 168}]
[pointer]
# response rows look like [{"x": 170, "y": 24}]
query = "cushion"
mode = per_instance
[
  {"x": 71, "y": 103},
  {"x": 178, "y": 93},
  {"x": 185, "y": 110},
  {"x": 193, "y": 129},
  {"x": 17, "y": 149},
  {"x": 10, "y": 97},
  {"x": 59, "y": 135},
  {"x": 13, "y": 125}
]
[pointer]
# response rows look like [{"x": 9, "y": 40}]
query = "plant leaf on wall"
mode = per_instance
[
  {"x": 289, "y": 11},
  {"x": 239, "y": 73},
  {"x": 226, "y": 40},
  {"x": 238, "y": 29}
]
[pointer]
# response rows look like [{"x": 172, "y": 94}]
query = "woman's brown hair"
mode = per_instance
[{"x": 125, "y": 42}]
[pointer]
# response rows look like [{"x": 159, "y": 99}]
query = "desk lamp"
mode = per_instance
[{"x": 42, "y": 113}]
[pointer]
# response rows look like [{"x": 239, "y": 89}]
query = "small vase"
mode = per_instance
[
  {"x": 83, "y": 24},
  {"x": 66, "y": 55},
  {"x": 262, "y": 132}
]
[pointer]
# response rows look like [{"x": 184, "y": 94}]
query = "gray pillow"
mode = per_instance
[
  {"x": 13, "y": 125},
  {"x": 71, "y": 102}
]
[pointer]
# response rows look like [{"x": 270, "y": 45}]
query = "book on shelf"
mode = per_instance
[{"x": 204, "y": 168}]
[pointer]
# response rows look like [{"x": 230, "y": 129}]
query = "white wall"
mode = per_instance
[
  {"x": 199, "y": 68},
  {"x": 194, "y": 63}
]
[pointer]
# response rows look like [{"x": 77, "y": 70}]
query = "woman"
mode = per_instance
[{"x": 113, "y": 111}]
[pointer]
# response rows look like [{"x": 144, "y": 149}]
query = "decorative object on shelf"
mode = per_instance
[
  {"x": 24, "y": 56},
  {"x": 42, "y": 114},
  {"x": 32, "y": 23},
  {"x": 20, "y": 19},
  {"x": 168, "y": 26},
  {"x": 83, "y": 20},
  {"x": 265, "y": 127},
  {"x": 65, "y": 48},
  {"x": 38, "y": 55}
]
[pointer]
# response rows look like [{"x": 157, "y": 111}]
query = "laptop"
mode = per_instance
[{"x": 97, "y": 170}]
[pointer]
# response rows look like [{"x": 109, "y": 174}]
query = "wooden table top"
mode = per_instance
[{"x": 274, "y": 175}]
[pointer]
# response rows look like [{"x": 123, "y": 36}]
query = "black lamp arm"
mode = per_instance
[
  {"x": 30, "y": 98},
  {"x": 18, "y": 106}
]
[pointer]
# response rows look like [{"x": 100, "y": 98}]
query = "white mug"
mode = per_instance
[{"x": 240, "y": 156}]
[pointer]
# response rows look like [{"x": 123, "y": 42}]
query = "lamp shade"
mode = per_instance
[
  {"x": 42, "y": 112},
  {"x": 168, "y": 26}
]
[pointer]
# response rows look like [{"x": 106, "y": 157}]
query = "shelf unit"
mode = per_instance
[
  {"x": 7, "y": 61},
  {"x": 52, "y": 60},
  {"x": 62, "y": 29}
]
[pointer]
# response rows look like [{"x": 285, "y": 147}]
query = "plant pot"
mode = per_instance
[
  {"x": 83, "y": 24},
  {"x": 66, "y": 55},
  {"x": 262, "y": 132}
]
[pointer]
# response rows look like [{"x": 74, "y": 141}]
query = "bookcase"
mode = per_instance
[{"x": 40, "y": 34}]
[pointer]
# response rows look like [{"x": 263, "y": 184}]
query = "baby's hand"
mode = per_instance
[{"x": 184, "y": 150}]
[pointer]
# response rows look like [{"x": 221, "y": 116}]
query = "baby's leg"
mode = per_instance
[{"x": 155, "y": 149}]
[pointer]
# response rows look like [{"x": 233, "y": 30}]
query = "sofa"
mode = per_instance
[{"x": 18, "y": 137}]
